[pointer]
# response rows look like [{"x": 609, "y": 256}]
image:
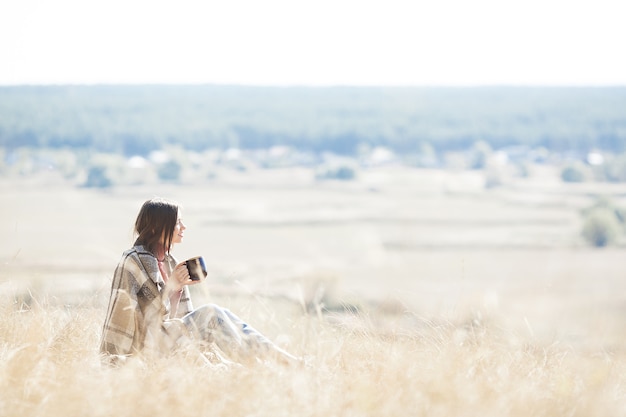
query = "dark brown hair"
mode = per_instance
[{"x": 156, "y": 222}]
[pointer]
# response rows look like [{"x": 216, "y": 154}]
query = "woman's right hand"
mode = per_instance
[{"x": 180, "y": 277}]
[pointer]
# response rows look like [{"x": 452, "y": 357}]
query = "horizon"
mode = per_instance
[{"x": 329, "y": 86}]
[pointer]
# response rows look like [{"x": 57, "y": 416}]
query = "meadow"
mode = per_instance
[{"x": 408, "y": 292}]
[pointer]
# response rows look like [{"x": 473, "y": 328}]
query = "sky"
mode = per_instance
[{"x": 313, "y": 43}]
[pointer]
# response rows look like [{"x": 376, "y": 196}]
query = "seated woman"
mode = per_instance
[{"x": 150, "y": 307}]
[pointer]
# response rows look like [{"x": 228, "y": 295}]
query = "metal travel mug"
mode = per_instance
[{"x": 196, "y": 268}]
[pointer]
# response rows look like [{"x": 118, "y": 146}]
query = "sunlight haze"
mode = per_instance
[{"x": 277, "y": 42}]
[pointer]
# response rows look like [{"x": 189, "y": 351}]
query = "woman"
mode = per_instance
[{"x": 150, "y": 308}]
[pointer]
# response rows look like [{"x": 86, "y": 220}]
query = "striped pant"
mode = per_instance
[{"x": 211, "y": 323}]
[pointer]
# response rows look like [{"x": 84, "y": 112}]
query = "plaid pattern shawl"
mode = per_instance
[{"x": 138, "y": 313}]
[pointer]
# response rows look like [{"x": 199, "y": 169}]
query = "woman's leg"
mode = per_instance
[{"x": 214, "y": 324}]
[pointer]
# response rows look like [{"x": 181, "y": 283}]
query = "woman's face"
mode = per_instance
[{"x": 179, "y": 230}]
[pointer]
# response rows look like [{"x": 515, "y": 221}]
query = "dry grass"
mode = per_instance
[
  {"x": 441, "y": 298},
  {"x": 396, "y": 364}
]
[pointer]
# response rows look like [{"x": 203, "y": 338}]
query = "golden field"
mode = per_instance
[{"x": 409, "y": 292}]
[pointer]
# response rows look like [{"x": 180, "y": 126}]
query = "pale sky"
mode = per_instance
[{"x": 319, "y": 42}]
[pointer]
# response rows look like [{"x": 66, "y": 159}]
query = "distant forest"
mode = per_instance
[{"x": 135, "y": 120}]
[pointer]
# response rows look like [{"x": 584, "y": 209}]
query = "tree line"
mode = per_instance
[{"x": 134, "y": 120}]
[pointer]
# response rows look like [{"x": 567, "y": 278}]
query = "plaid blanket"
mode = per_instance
[{"x": 138, "y": 312}]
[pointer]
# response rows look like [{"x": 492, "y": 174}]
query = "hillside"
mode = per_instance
[{"x": 134, "y": 120}]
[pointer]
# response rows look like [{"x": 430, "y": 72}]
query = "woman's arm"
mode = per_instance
[{"x": 175, "y": 290}]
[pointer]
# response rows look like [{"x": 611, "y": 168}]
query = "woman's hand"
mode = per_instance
[{"x": 180, "y": 277}]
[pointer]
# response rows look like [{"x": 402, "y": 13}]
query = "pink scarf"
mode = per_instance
[{"x": 161, "y": 254}]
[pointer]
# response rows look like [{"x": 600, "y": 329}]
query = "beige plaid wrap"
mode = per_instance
[{"x": 138, "y": 314}]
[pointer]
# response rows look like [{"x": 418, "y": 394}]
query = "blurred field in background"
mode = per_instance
[{"x": 413, "y": 292}]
